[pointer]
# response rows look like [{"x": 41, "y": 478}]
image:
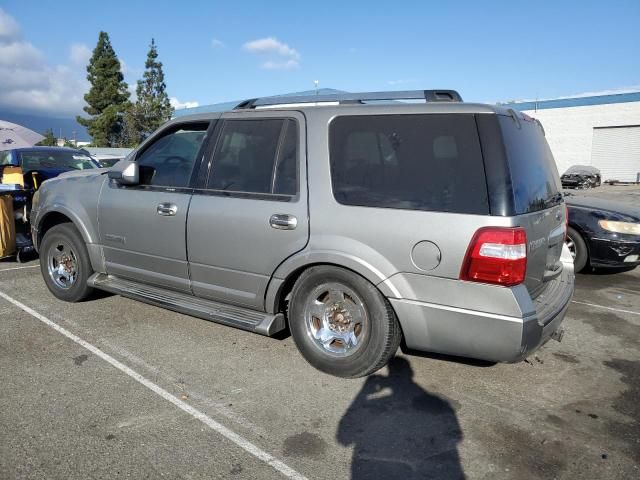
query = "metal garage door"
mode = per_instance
[{"x": 616, "y": 152}]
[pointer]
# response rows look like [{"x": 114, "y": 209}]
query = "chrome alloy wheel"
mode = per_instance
[
  {"x": 62, "y": 265},
  {"x": 336, "y": 319},
  {"x": 571, "y": 246}
]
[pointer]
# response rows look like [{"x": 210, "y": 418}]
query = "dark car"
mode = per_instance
[
  {"x": 581, "y": 176},
  {"x": 603, "y": 233},
  {"x": 22, "y": 171},
  {"x": 46, "y": 162}
]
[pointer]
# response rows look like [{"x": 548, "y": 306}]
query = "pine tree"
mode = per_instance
[
  {"x": 152, "y": 107},
  {"x": 49, "y": 139},
  {"x": 108, "y": 97}
]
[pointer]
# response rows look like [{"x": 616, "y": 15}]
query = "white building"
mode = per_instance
[{"x": 602, "y": 131}]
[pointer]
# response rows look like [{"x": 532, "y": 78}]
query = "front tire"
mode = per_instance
[
  {"x": 64, "y": 263},
  {"x": 578, "y": 249},
  {"x": 342, "y": 324}
]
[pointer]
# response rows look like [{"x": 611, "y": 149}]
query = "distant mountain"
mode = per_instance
[{"x": 62, "y": 127}]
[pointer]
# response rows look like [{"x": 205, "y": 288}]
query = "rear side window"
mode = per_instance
[
  {"x": 534, "y": 175},
  {"x": 256, "y": 156},
  {"x": 418, "y": 162}
]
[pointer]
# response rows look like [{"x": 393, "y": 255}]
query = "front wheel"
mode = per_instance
[
  {"x": 341, "y": 323},
  {"x": 578, "y": 249},
  {"x": 64, "y": 263}
]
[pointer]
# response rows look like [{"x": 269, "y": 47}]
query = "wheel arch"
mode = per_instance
[
  {"x": 57, "y": 216},
  {"x": 279, "y": 289},
  {"x": 584, "y": 237}
]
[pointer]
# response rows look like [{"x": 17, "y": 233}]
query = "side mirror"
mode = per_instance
[{"x": 126, "y": 174}]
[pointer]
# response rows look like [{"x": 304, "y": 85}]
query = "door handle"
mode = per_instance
[
  {"x": 167, "y": 209},
  {"x": 282, "y": 221}
]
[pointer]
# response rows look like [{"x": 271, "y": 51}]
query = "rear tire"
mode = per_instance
[
  {"x": 64, "y": 263},
  {"x": 341, "y": 324},
  {"x": 578, "y": 249}
]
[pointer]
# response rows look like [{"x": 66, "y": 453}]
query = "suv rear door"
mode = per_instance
[
  {"x": 537, "y": 197},
  {"x": 249, "y": 212}
]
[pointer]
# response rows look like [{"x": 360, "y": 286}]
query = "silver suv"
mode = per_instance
[{"x": 358, "y": 221}]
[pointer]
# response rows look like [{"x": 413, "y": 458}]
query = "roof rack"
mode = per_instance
[{"x": 351, "y": 98}]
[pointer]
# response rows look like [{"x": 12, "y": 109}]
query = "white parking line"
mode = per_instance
[
  {"x": 18, "y": 268},
  {"x": 606, "y": 308},
  {"x": 211, "y": 423}
]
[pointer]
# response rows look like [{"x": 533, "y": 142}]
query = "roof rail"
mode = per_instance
[{"x": 350, "y": 98}]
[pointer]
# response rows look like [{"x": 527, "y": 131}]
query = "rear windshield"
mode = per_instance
[
  {"x": 55, "y": 159},
  {"x": 534, "y": 175},
  {"x": 418, "y": 162}
]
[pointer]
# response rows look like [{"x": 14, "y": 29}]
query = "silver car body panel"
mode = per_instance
[{"x": 140, "y": 244}]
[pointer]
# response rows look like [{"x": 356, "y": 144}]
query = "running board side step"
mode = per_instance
[{"x": 233, "y": 316}]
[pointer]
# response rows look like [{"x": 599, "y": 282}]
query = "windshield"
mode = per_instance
[{"x": 59, "y": 160}]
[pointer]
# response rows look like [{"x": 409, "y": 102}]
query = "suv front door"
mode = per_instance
[
  {"x": 142, "y": 227},
  {"x": 250, "y": 213}
]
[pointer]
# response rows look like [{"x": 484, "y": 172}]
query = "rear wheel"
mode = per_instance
[
  {"x": 64, "y": 263},
  {"x": 578, "y": 249},
  {"x": 341, "y": 323}
]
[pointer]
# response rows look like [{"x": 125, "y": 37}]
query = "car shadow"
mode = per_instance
[
  {"x": 398, "y": 430},
  {"x": 607, "y": 270},
  {"x": 473, "y": 362}
]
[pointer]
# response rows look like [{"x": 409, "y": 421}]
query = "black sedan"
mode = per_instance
[{"x": 603, "y": 233}]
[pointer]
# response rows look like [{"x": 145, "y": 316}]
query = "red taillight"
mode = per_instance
[{"x": 496, "y": 255}]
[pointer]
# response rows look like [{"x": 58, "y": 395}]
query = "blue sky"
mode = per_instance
[{"x": 217, "y": 51}]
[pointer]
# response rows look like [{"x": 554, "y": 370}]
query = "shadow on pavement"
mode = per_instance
[{"x": 400, "y": 431}]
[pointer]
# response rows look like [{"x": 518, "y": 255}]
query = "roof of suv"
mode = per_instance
[{"x": 437, "y": 101}]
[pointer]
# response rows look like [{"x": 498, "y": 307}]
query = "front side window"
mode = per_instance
[
  {"x": 169, "y": 160},
  {"x": 417, "y": 162},
  {"x": 256, "y": 156}
]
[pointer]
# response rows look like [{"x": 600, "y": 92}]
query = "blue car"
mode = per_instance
[
  {"x": 46, "y": 162},
  {"x": 22, "y": 171}
]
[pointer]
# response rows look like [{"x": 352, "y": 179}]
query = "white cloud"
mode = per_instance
[
  {"x": 79, "y": 54},
  {"x": 19, "y": 53},
  {"x": 215, "y": 43},
  {"x": 177, "y": 104},
  {"x": 126, "y": 69},
  {"x": 28, "y": 83},
  {"x": 9, "y": 28},
  {"x": 278, "y": 55},
  {"x": 271, "y": 45}
]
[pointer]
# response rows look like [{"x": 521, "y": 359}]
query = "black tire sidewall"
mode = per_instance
[
  {"x": 67, "y": 233},
  {"x": 582, "y": 254},
  {"x": 383, "y": 325}
]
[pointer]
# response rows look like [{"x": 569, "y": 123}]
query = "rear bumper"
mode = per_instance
[{"x": 488, "y": 336}]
